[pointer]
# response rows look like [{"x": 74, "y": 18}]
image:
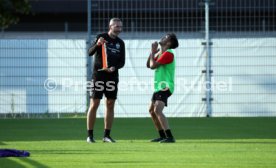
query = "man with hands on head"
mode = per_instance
[{"x": 163, "y": 62}]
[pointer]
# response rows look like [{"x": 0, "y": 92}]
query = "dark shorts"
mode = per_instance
[
  {"x": 161, "y": 96},
  {"x": 104, "y": 85}
]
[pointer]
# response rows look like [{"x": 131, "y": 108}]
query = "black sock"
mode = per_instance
[
  {"x": 169, "y": 133},
  {"x": 162, "y": 134},
  {"x": 106, "y": 132},
  {"x": 90, "y": 133}
]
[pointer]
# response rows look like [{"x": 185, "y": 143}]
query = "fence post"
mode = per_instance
[{"x": 208, "y": 62}]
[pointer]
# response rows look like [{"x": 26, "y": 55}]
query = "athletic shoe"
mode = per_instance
[
  {"x": 168, "y": 140},
  {"x": 90, "y": 140},
  {"x": 108, "y": 139},
  {"x": 157, "y": 139}
]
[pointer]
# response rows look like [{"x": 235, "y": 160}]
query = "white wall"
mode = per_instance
[{"x": 243, "y": 67}]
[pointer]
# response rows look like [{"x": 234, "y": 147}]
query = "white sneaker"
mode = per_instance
[
  {"x": 108, "y": 139},
  {"x": 90, "y": 140}
]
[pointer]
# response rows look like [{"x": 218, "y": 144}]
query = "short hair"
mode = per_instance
[
  {"x": 114, "y": 20},
  {"x": 174, "y": 40}
]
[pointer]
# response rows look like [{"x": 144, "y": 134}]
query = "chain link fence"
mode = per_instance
[{"x": 225, "y": 61}]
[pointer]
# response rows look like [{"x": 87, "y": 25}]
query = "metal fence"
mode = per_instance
[
  {"x": 236, "y": 40},
  {"x": 185, "y": 15},
  {"x": 227, "y": 43}
]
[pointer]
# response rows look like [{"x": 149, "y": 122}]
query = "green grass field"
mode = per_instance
[{"x": 201, "y": 142}]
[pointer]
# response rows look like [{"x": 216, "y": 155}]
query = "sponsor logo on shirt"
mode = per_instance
[{"x": 118, "y": 46}]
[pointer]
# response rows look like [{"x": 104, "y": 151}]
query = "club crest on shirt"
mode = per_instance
[{"x": 118, "y": 46}]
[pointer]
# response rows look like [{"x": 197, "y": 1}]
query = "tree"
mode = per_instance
[{"x": 11, "y": 10}]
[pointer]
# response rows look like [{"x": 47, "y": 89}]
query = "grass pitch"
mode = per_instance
[{"x": 200, "y": 142}]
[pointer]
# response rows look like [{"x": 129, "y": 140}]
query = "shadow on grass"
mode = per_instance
[
  {"x": 137, "y": 129},
  {"x": 20, "y": 163},
  {"x": 80, "y": 152},
  {"x": 2, "y": 143}
]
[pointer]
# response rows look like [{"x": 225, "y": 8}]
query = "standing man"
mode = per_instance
[
  {"x": 164, "y": 64},
  {"x": 105, "y": 80}
]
